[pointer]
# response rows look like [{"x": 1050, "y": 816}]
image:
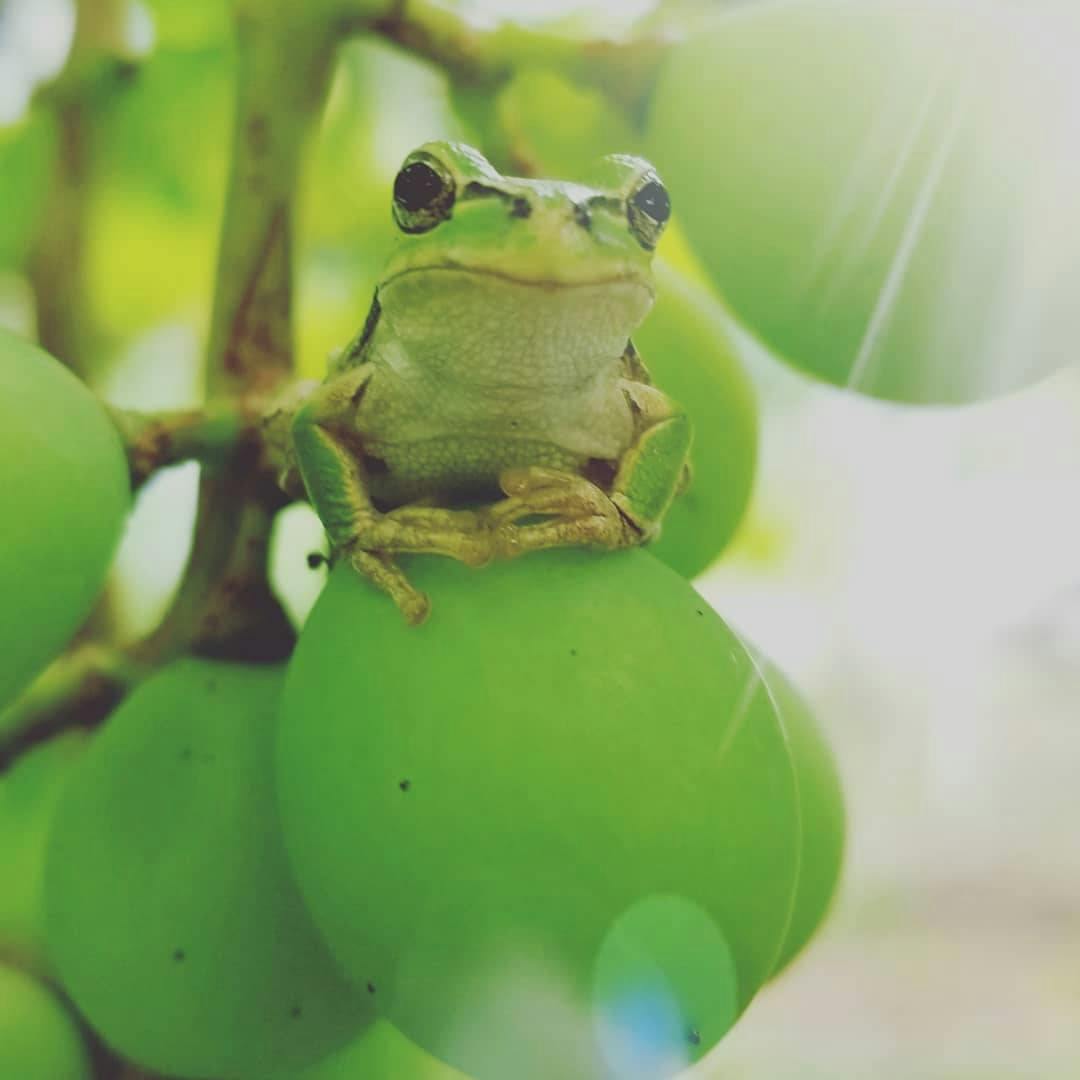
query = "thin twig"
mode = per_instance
[
  {"x": 155, "y": 441},
  {"x": 224, "y": 606},
  {"x": 486, "y": 55},
  {"x": 78, "y": 691}
]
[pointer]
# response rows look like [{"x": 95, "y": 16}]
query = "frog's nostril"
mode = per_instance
[{"x": 582, "y": 216}]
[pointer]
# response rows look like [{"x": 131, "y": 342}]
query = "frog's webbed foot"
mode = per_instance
[
  {"x": 457, "y": 534},
  {"x": 377, "y": 537},
  {"x": 573, "y": 511}
]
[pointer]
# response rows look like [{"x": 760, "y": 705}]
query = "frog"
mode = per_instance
[{"x": 493, "y": 404}]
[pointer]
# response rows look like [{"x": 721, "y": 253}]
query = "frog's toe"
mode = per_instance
[
  {"x": 522, "y": 481},
  {"x": 386, "y": 575},
  {"x": 568, "y": 496},
  {"x": 604, "y": 531}
]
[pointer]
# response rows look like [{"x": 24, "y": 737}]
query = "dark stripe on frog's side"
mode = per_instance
[
  {"x": 353, "y": 356},
  {"x": 634, "y": 366}
]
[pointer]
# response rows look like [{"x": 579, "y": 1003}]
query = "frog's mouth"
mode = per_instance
[{"x": 551, "y": 282}]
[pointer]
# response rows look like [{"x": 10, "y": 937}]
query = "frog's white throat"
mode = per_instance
[{"x": 491, "y": 330}]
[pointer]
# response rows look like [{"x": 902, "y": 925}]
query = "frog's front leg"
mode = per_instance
[
  {"x": 649, "y": 475},
  {"x": 330, "y": 458}
]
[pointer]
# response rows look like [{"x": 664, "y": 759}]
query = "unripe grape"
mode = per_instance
[
  {"x": 380, "y": 1053},
  {"x": 170, "y": 912},
  {"x": 689, "y": 352},
  {"x": 29, "y": 792},
  {"x": 554, "y": 827},
  {"x": 38, "y": 1039},
  {"x": 64, "y": 492},
  {"x": 883, "y": 191},
  {"x": 821, "y": 812}
]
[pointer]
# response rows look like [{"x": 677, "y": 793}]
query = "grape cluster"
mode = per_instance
[{"x": 568, "y": 827}]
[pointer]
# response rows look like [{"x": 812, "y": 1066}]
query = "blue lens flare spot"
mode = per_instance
[{"x": 664, "y": 988}]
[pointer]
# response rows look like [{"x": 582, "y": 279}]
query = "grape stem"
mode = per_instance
[
  {"x": 78, "y": 690},
  {"x": 474, "y": 54},
  {"x": 224, "y": 606},
  {"x": 155, "y": 441}
]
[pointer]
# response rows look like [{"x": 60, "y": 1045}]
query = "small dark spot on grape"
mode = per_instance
[
  {"x": 405, "y": 785},
  {"x": 694, "y": 1036},
  {"x": 316, "y": 559},
  {"x": 295, "y": 1012},
  {"x": 573, "y": 652},
  {"x": 700, "y": 612},
  {"x": 179, "y": 956},
  {"x": 371, "y": 988},
  {"x": 186, "y": 754}
]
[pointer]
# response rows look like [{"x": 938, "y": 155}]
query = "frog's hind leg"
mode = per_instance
[
  {"x": 647, "y": 478},
  {"x": 580, "y": 513}
]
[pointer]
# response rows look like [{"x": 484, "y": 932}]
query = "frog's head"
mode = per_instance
[{"x": 456, "y": 211}]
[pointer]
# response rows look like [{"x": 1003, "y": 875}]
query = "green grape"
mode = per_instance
[
  {"x": 686, "y": 346},
  {"x": 38, "y": 1039},
  {"x": 380, "y": 1053},
  {"x": 821, "y": 808},
  {"x": 170, "y": 912},
  {"x": 557, "y": 819},
  {"x": 877, "y": 188},
  {"x": 63, "y": 498},
  {"x": 29, "y": 791}
]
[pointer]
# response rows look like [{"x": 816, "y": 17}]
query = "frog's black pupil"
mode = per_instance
[
  {"x": 417, "y": 186},
  {"x": 653, "y": 200}
]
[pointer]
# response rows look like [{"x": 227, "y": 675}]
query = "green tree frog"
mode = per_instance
[{"x": 493, "y": 403}]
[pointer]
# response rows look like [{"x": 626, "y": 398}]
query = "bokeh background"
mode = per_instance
[{"x": 914, "y": 569}]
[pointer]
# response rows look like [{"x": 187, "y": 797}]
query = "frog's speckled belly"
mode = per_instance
[{"x": 455, "y": 467}]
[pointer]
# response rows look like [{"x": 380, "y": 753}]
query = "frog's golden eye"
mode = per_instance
[
  {"x": 424, "y": 193},
  {"x": 648, "y": 210}
]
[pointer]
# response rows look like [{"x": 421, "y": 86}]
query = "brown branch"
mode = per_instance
[
  {"x": 225, "y": 606},
  {"x": 154, "y": 441},
  {"x": 625, "y": 68},
  {"x": 78, "y": 691}
]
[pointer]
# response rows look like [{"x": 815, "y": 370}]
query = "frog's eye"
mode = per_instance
[
  {"x": 648, "y": 210},
  {"x": 424, "y": 194}
]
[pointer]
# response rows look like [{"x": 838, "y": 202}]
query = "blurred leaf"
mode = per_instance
[
  {"x": 885, "y": 193},
  {"x": 188, "y": 23},
  {"x": 159, "y": 176},
  {"x": 167, "y": 132},
  {"x": 544, "y": 125},
  {"x": 27, "y": 150}
]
